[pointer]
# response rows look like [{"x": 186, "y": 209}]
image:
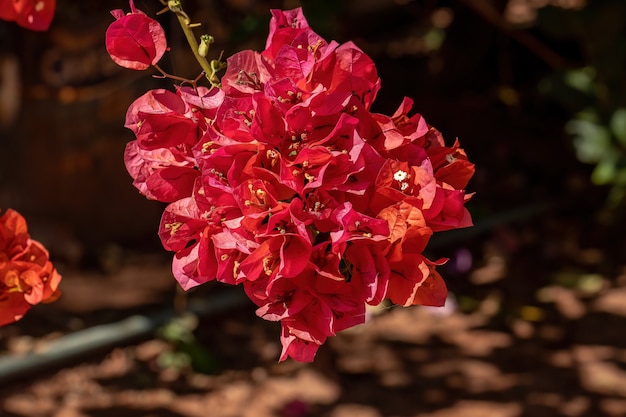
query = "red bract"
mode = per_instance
[
  {"x": 286, "y": 182},
  {"x": 159, "y": 120},
  {"x": 30, "y": 14},
  {"x": 167, "y": 125},
  {"x": 134, "y": 40},
  {"x": 27, "y": 277}
]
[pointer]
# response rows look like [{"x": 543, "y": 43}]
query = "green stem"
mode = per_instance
[{"x": 185, "y": 23}]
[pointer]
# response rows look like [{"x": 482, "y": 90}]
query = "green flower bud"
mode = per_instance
[{"x": 205, "y": 42}]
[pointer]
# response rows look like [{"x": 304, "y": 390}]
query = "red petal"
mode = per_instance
[
  {"x": 171, "y": 183},
  {"x": 7, "y": 11},
  {"x": 432, "y": 292},
  {"x": 298, "y": 349},
  {"x": 414, "y": 281},
  {"x": 136, "y": 41},
  {"x": 30, "y": 14},
  {"x": 12, "y": 307}
]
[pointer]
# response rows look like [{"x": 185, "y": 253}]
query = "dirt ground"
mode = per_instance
[
  {"x": 565, "y": 355},
  {"x": 534, "y": 327}
]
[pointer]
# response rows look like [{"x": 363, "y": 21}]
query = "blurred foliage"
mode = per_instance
[
  {"x": 185, "y": 352},
  {"x": 594, "y": 93}
]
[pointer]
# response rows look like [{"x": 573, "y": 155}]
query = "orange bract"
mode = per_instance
[{"x": 27, "y": 276}]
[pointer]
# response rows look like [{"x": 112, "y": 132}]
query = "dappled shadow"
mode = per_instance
[{"x": 404, "y": 362}]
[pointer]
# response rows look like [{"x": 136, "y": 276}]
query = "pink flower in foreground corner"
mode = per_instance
[
  {"x": 29, "y": 14},
  {"x": 27, "y": 276},
  {"x": 285, "y": 182},
  {"x": 134, "y": 40}
]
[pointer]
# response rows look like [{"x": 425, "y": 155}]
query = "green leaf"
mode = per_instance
[
  {"x": 433, "y": 39},
  {"x": 581, "y": 79},
  {"x": 606, "y": 170},
  {"x": 618, "y": 125},
  {"x": 592, "y": 141}
]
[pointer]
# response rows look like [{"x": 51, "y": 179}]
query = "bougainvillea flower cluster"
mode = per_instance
[
  {"x": 27, "y": 277},
  {"x": 29, "y": 14},
  {"x": 285, "y": 182}
]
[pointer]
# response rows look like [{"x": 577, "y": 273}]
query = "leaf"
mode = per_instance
[
  {"x": 591, "y": 140},
  {"x": 618, "y": 125},
  {"x": 581, "y": 79},
  {"x": 606, "y": 170}
]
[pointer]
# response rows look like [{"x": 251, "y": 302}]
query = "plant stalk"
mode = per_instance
[{"x": 185, "y": 23}]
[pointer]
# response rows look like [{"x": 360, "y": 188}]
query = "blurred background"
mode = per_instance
[{"x": 535, "y": 90}]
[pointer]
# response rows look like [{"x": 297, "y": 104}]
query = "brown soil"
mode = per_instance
[{"x": 563, "y": 354}]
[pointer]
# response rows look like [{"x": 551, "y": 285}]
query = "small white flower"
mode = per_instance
[{"x": 400, "y": 175}]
